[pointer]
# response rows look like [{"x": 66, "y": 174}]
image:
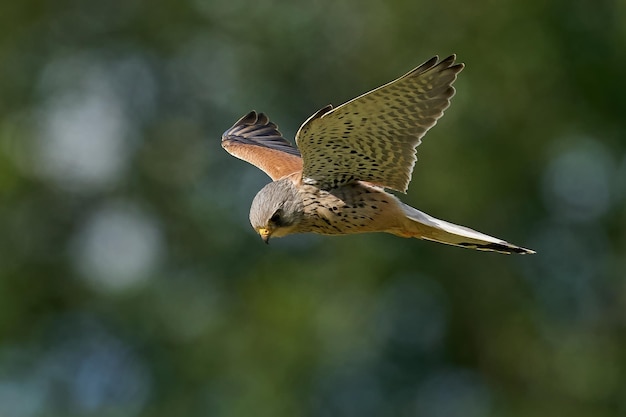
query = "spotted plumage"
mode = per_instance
[{"x": 334, "y": 182}]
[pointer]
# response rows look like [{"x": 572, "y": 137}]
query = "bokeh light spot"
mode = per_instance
[
  {"x": 577, "y": 182},
  {"x": 117, "y": 248},
  {"x": 453, "y": 393}
]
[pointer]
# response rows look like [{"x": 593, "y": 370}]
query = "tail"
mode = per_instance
[{"x": 423, "y": 226}]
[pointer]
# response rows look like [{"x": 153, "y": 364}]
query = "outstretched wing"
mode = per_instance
[
  {"x": 256, "y": 140},
  {"x": 373, "y": 137}
]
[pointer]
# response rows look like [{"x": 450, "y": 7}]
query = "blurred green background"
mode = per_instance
[{"x": 131, "y": 283}]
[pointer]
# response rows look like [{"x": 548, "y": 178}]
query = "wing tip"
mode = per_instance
[
  {"x": 253, "y": 117},
  {"x": 247, "y": 119},
  {"x": 448, "y": 63},
  {"x": 251, "y": 120},
  {"x": 256, "y": 129}
]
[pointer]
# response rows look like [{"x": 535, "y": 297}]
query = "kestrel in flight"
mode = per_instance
[{"x": 334, "y": 182}]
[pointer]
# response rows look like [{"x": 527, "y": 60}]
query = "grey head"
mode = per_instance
[{"x": 276, "y": 210}]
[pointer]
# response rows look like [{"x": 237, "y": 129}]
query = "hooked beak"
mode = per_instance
[{"x": 265, "y": 235}]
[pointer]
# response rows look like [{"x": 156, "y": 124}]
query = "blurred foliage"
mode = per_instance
[{"x": 132, "y": 285}]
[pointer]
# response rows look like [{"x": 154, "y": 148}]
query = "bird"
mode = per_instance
[{"x": 349, "y": 159}]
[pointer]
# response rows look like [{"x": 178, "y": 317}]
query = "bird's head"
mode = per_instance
[{"x": 276, "y": 210}]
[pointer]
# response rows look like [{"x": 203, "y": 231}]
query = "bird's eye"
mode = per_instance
[{"x": 275, "y": 218}]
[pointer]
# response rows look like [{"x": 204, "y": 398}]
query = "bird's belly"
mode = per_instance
[{"x": 350, "y": 209}]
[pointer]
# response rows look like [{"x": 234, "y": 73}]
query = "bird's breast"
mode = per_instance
[{"x": 353, "y": 208}]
